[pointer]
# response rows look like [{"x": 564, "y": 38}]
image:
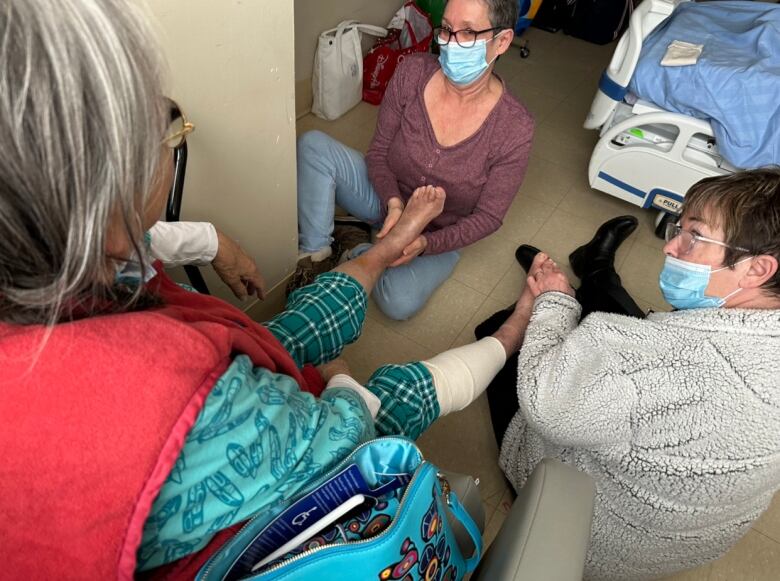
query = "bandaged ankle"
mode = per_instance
[{"x": 460, "y": 375}]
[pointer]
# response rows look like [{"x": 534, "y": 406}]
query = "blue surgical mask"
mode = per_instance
[
  {"x": 683, "y": 284},
  {"x": 461, "y": 65}
]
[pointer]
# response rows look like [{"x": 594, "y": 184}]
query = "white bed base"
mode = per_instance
[{"x": 646, "y": 156}]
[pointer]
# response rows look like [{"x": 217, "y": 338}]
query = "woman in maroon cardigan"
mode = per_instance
[{"x": 450, "y": 123}]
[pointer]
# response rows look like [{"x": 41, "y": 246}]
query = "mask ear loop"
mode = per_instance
[
  {"x": 739, "y": 288},
  {"x": 495, "y": 36}
]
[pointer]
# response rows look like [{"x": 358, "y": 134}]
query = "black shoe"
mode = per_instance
[
  {"x": 525, "y": 256},
  {"x": 600, "y": 251}
]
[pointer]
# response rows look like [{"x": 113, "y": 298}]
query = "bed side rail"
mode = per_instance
[{"x": 614, "y": 80}]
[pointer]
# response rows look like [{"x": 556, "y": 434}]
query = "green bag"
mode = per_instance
[{"x": 435, "y": 8}]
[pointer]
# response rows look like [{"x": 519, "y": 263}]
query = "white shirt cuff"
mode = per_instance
[
  {"x": 179, "y": 243},
  {"x": 373, "y": 403}
]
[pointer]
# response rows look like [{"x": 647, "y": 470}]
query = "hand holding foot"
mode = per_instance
[
  {"x": 414, "y": 249},
  {"x": 546, "y": 276},
  {"x": 425, "y": 204},
  {"x": 395, "y": 207}
]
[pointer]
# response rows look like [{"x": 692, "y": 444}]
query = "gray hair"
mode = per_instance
[
  {"x": 82, "y": 118},
  {"x": 502, "y": 13}
]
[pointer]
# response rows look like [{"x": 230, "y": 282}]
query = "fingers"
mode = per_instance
[
  {"x": 237, "y": 287},
  {"x": 393, "y": 215},
  {"x": 545, "y": 275},
  {"x": 411, "y": 251},
  {"x": 254, "y": 284}
]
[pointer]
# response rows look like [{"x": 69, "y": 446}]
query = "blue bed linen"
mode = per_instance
[{"x": 736, "y": 82}]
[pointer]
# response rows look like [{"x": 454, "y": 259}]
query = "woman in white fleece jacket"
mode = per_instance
[{"x": 676, "y": 416}]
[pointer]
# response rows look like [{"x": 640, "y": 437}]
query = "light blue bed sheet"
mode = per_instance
[{"x": 736, "y": 82}]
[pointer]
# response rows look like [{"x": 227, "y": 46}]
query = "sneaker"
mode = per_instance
[
  {"x": 347, "y": 236},
  {"x": 318, "y": 255},
  {"x": 306, "y": 271}
]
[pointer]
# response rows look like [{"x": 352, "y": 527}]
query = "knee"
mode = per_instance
[
  {"x": 397, "y": 306},
  {"x": 313, "y": 143}
]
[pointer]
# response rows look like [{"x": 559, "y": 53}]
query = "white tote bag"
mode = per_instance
[{"x": 337, "y": 83}]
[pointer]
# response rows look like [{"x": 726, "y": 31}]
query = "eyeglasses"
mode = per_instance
[
  {"x": 688, "y": 240},
  {"x": 465, "y": 38},
  {"x": 178, "y": 129}
]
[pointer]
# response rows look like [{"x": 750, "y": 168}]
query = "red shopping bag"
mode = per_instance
[{"x": 410, "y": 31}]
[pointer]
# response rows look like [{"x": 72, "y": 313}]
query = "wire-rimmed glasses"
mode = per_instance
[
  {"x": 687, "y": 239},
  {"x": 179, "y": 127}
]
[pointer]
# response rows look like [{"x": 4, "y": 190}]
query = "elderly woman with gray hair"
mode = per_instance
[{"x": 141, "y": 422}]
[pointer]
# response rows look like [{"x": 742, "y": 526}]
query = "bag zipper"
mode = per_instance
[
  {"x": 350, "y": 543},
  {"x": 210, "y": 563}
]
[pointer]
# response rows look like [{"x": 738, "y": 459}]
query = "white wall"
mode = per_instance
[
  {"x": 232, "y": 72},
  {"x": 315, "y": 16}
]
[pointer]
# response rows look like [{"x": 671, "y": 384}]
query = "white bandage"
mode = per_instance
[{"x": 460, "y": 375}]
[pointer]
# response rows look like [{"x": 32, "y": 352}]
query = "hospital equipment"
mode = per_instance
[{"x": 650, "y": 156}]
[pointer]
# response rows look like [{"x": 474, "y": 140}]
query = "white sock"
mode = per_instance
[
  {"x": 460, "y": 375},
  {"x": 317, "y": 255}
]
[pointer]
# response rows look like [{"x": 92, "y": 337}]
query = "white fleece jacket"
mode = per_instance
[{"x": 676, "y": 417}]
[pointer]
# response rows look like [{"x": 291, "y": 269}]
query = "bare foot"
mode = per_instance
[{"x": 425, "y": 204}]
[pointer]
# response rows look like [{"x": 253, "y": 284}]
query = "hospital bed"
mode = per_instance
[{"x": 647, "y": 155}]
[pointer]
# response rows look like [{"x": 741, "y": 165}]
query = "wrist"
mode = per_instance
[{"x": 215, "y": 240}]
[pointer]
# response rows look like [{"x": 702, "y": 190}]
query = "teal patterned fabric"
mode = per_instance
[
  {"x": 259, "y": 439},
  {"x": 408, "y": 397}
]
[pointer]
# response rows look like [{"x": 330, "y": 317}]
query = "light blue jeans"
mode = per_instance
[{"x": 330, "y": 174}]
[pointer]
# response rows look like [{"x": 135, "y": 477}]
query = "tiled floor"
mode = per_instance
[{"x": 555, "y": 210}]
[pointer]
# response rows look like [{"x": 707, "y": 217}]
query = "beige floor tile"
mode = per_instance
[
  {"x": 597, "y": 206},
  {"x": 699, "y": 574},
  {"x": 548, "y": 181},
  {"x": 491, "y": 530},
  {"x": 565, "y": 231},
  {"x": 754, "y": 558},
  {"x": 570, "y": 113},
  {"x": 487, "y": 308},
  {"x": 525, "y": 218},
  {"x": 507, "y": 499},
  {"x": 441, "y": 320},
  {"x": 492, "y": 502},
  {"x": 379, "y": 346},
  {"x": 538, "y": 103},
  {"x": 549, "y": 70},
  {"x": 463, "y": 442},
  {"x": 555, "y": 144},
  {"x": 354, "y": 129},
  {"x": 769, "y": 523},
  {"x": 509, "y": 287},
  {"x": 483, "y": 264},
  {"x": 586, "y": 55}
]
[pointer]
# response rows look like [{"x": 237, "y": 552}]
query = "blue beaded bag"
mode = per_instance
[{"x": 400, "y": 533}]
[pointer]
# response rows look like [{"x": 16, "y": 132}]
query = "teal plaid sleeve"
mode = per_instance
[
  {"x": 321, "y": 318},
  {"x": 409, "y": 404}
]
